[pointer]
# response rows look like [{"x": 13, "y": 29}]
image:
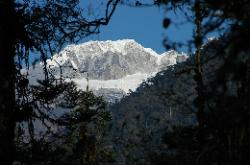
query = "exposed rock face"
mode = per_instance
[
  {"x": 107, "y": 60},
  {"x": 121, "y": 64}
]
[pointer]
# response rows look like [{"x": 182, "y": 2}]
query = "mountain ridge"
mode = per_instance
[
  {"x": 94, "y": 50},
  {"x": 121, "y": 64}
]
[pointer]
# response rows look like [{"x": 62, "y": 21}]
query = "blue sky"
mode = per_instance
[
  {"x": 141, "y": 24},
  {"x": 145, "y": 26}
]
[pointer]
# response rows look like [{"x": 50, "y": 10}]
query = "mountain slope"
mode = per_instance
[
  {"x": 141, "y": 119},
  {"x": 121, "y": 64},
  {"x": 112, "y": 59}
]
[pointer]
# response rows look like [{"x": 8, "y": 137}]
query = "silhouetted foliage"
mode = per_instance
[
  {"x": 72, "y": 135},
  {"x": 222, "y": 107},
  {"x": 42, "y": 27}
]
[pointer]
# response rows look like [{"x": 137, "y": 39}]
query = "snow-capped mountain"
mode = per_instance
[{"x": 121, "y": 64}]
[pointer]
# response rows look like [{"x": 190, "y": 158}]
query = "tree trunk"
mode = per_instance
[
  {"x": 7, "y": 81},
  {"x": 198, "y": 68},
  {"x": 198, "y": 77}
]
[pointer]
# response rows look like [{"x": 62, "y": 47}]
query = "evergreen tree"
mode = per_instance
[
  {"x": 222, "y": 110},
  {"x": 74, "y": 136},
  {"x": 42, "y": 27}
]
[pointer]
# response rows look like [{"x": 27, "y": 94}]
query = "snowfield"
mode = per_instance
[
  {"x": 112, "y": 67},
  {"x": 130, "y": 82}
]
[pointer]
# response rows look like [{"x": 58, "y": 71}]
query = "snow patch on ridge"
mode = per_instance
[
  {"x": 130, "y": 82},
  {"x": 121, "y": 64}
]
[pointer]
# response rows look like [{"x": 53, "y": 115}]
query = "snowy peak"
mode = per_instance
[
  {"x": 113, "y": 59},
  {"x": 101, "y": 47},
  {"x": 109, "y": 66},
  {"x": 171, "y": 57}
]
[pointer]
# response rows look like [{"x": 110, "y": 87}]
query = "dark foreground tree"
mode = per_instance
[
  {"x": 222, "y": 131},
  {"x": 74, "y": 137},
  {"x": 84, "y": 131},
  {"x": 42, "y": 27}
]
